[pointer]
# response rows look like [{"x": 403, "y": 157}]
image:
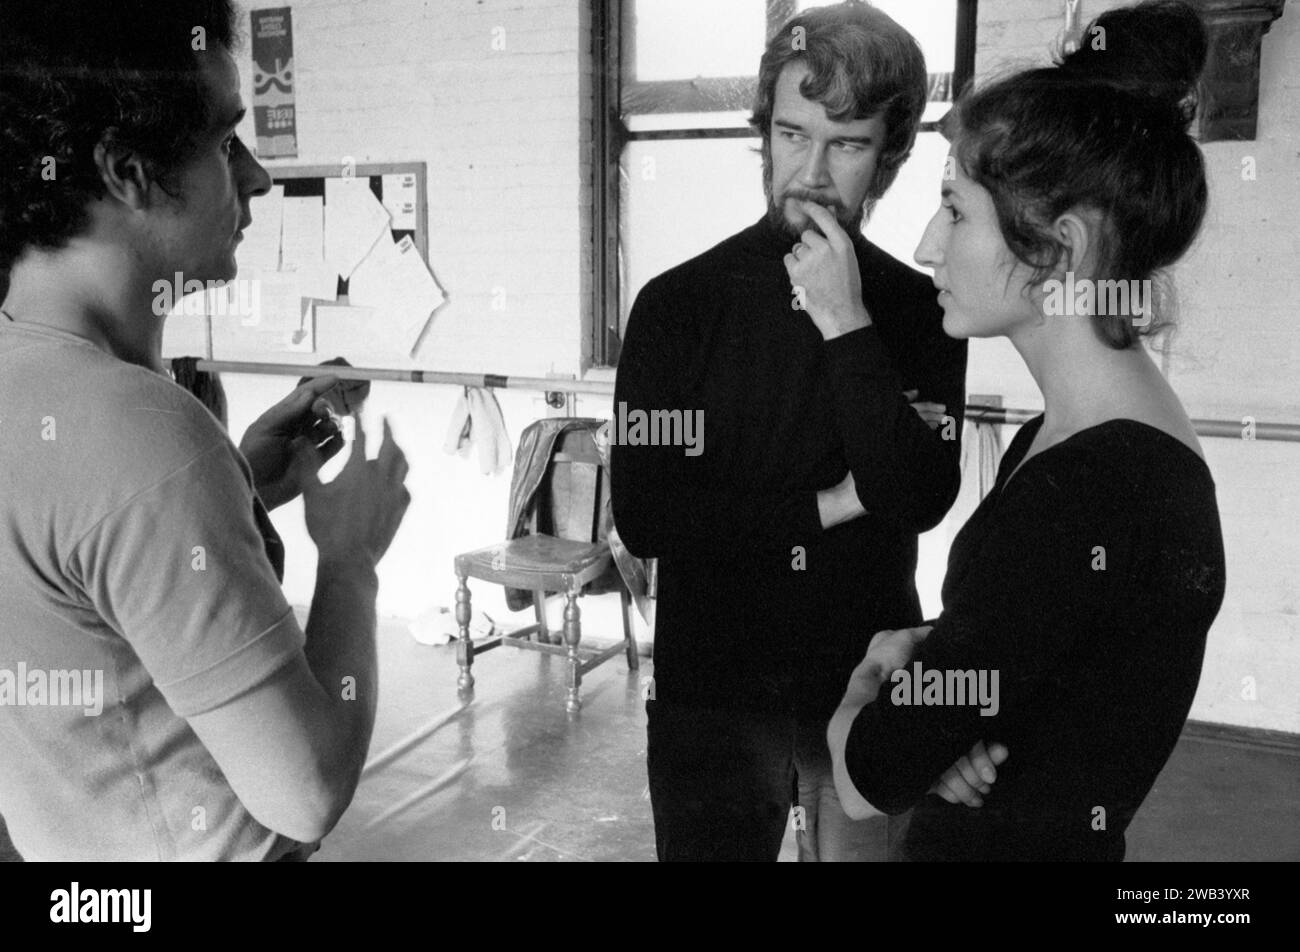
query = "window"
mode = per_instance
[{"x": 677, "y": 167}]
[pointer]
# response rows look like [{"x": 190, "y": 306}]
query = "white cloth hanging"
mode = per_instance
[
  {"x": 981, "y": 454},
  {"x": 477, "y": 420}
]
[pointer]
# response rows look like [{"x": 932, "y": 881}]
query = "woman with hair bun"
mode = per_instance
[{"x": 1079, "y": 594}]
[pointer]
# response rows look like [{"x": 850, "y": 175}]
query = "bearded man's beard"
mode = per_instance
[{"x": 850, "y": 219}]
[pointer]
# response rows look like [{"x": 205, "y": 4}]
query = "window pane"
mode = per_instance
[
  {"x": 737, "y": 119},
  {"x": 686, "y": 39},
  {"x": 899, "y": 219},
  {"x": 684, "y": 56},
  {"x": 679, "y": 198},
  {"x": 932, "y": 22}
]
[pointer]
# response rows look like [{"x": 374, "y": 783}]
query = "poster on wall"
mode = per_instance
[{"x": 273, "y": 102}]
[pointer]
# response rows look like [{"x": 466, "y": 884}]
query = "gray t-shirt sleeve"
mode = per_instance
[{"x": 180, "y": 572}]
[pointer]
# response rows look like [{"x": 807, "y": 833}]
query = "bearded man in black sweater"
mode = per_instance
[{"x": 788, "y": 537}]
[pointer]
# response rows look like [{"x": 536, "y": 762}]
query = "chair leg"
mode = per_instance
[
  {"x": 464, "y": 647},
  {"x": 633, "y": 662},
  {"x": 539, "y": 609},
  {"x": 572, "y": 636},
  {"x": 540, "y": 615}
]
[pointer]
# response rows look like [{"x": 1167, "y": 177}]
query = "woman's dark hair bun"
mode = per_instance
[{"x": 1155, "y": 50}]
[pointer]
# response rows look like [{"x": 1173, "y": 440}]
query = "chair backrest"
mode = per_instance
[{"x": 574, "y": 492}]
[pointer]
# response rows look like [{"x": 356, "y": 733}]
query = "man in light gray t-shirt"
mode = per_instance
[{"x": 158, "y": 698}]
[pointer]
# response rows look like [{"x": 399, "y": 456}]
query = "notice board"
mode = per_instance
[{"x": 367, "y": 336}]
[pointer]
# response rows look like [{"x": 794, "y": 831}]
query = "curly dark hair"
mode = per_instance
[
  {"x": 1105, "y": 129},
  {"x": 860, "y": 63},
  {"x": 76, "y": 72}
]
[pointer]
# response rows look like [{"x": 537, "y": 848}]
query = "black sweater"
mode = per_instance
[
  {"x": 1097, "y": 666},
  {"x": 759, "y": 607}
]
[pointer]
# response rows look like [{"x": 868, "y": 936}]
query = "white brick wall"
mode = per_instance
[
  {"x": 505, "y": 136},
  {"x": 502, "y": 133}
]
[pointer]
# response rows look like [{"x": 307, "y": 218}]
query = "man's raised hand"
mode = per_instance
[
  {"x": 824, "y": 265},
  {"x": 354, "y": 517},
  {"x": 291, "y": 440}
]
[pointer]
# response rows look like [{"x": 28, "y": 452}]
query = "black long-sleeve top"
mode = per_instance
[
  {"x": 759, "y": 607},
  {"x": 1089, "y": 581}
]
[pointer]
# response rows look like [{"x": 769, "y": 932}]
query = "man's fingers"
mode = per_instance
[
  {"x": 331, "y": 447},
  {"x": 358, "y": 456},
  {"x": 985, "y": 760},
  {"x": 286, "y": 417},
  {"x": 826, "y": 222},
  {"x": 941, "y": 789},
  {"x": 812, "y": 239},
  {"x": 931, "y": 414},
  {"x": 305, "y": 395},
  {"x": 910, "y": 395},
  {"x": 970, "y": 774},
  {"x": 957, "y": 789},
  {"x": 326, "y": 426},
  {"x": 308, "y": 461},
  {"x": 981, "y": 763},
  {"x": 320, "y": 385},
  {"x": 389, "y": 451},
  {"x": 391, "y": 456}
]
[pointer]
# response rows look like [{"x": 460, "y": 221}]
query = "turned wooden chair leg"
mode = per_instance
[
  {"x": 572, "y": 636},
  {"x": 633, "y": 662},
  {"x": 464, "y": 647},
  {"x": 539, "y": 609}
]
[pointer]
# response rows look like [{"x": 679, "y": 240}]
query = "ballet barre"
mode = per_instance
[
  {"x": 1230, "y": 429},
  {"x": 977, "y": 413},
  {"x": 496, "y": 381}
]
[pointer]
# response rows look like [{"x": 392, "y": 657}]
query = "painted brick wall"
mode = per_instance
[
  {"x": 487, "y": 92},
  {"x": 504, "y": 133},
  {"x": 494, "y": 96}
]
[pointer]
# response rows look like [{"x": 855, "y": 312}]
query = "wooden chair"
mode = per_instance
[{"x": 565, "y": 552}]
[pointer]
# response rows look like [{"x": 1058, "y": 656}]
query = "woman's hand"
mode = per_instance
[
  {"x": 823, "y": 270},
  {"x": 892, "y": 650},
  {"x": 972, "y": 776},
  {"x": 888, "y": 651}
]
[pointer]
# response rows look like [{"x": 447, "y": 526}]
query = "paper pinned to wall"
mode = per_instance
[
  {"x": 318, "y": 280},
  {"x": 354, "y": 221},
  {"x": 277, "y": 320},
  {"x": 351, "y": 330},
  {"x": 260, "y": 248},
  {"x": 304, "y": 232},
  {"x": 399, "y": 198},
  {"x": 395, "y": 280}
]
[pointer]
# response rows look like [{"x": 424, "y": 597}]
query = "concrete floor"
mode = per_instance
[{"x": 510, "y": 776}]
